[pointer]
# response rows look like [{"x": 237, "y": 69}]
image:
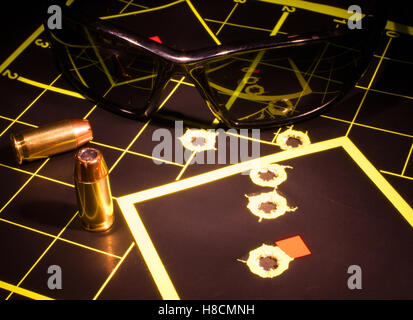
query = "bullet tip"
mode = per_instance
[{"x": 90, "y": 166}]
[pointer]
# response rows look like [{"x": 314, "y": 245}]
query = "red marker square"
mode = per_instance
[{"x": 294, "y": 247}]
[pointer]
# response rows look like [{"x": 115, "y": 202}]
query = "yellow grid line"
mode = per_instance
[
  {"x": 276, "y": 135},
  {"x": 61, "y": 239},
  {"x": 23, "y": 292},
  {"x": 203, "y": 23},
  {"x": 367, "y": 126},
  {"x": 28, "y": 107},
  {"x": 391, "y": 25},
  {"x": 368, "y": 87},
  {"x": 126, "y": 6},
  {"x": 279, "y": 24},
  {"x": 144, "y": 126},
  {"x": 393, "y": 59},
  {"x": 314, "y": 7},
  {"x": 134, "y": 80},
  {"x": 136, "y": 153},
  {"x": 251, "y": 139},
  {"x": 407, "y": 160},
  {"x": 396, "y": 175},
  {"x": 134, "y": 4},
  {"x": 50, "y": 87},
  {"x": 294, "y": 69},
  {"x": 183, "y": 82},
  {"x": 21, "y": 48},
  {"x": 42, "y": 255},
  {"x": 113, "y": 271},
  {"x": 32, "y": 175},
  {"x": 90, "y": 112},
  {"x": 128, "y": 147},
  {"x": 37, "y": 175},
  {"x": 27, "y": 228},
  {"x": 95, "y": 106},
  {"x": 18, "y": 121},
  {"x": 385, "y": 92},
  {"x": 89, "y": 247},
  {"x": 75, "y": 68},
  {"x": 307, "y": 82},
  {"x": 242, "y": 26},
  {"x": 141, "y": 11},
  {"x": 101, "y": 61},
  {"x": 328, "y": 84},
  {"x": 186, "y": 166},
  {"x": 226, "y": 19},
  {"x": 374, "y": 175}
]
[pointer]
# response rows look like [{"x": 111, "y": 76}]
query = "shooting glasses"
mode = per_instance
[{"x": 267, "y": 83}]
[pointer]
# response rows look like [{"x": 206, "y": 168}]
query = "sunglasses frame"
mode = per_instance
[{"x": 192, "y": 64}]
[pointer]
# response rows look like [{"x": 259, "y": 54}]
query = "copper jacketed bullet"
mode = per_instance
[
  {"x": 50, "y": 139},
  {"x": 93, "y": 190}
]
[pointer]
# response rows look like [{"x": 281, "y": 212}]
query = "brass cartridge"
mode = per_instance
[
  {"x": 50, "y": 139},
  {"x": 93, "y": 190}
]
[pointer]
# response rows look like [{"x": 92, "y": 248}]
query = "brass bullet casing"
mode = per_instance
[
  {"x": 93, "y": 190},
  {"x": 50, "y": 139}
]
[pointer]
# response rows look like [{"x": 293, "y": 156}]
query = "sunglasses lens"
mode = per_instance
[
  {"x": 277, "y": 85},
  {"x": 101, "y": 66}
]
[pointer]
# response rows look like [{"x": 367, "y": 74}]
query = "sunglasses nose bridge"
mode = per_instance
[{"x": 179, "y": 70}]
